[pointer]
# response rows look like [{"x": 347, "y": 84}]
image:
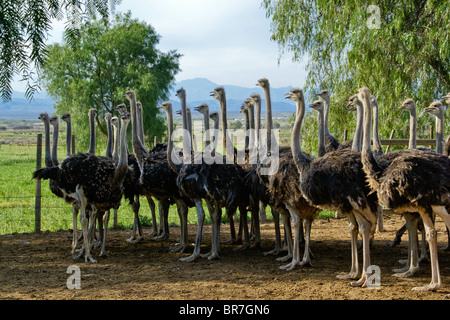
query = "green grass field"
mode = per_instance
[{"x": 17, "y": 193}]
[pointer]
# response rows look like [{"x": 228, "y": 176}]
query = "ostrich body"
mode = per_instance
[
  {"x": 93, "y": 181},
  {"x": 336, "y": 181},
  {"x": 415, "y": 181}
]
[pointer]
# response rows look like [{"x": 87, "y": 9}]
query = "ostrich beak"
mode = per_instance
[{"x": 288, "y": 95}]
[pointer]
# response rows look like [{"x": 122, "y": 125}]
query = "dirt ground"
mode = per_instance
[{"x": 34, "y": 266}]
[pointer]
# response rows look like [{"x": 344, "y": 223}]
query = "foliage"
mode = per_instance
[
  {"x": 399, "y": 49},
  {"x": 107, "y": 59},
  {"x": 24, "y": 26}
]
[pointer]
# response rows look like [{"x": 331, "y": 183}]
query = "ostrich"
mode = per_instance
[
  {"x": 220, "y": 185},
  {"x": 264, "y": 179},
  {"x": 157, "y": 179},
  {"x": 415, "y": 181},
  {"x": 66, "y": 117},
  {"x": 336, "y": 181},
  {"x": 92, "y": 180},
  {"x": 204, "y": 110}
]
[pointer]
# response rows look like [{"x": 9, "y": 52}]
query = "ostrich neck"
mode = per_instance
[
  {"x": 69, "y": 138},
  {"x": 140, "y": 123},
  {"x": 251, "y": 116},
  {"x": 110, "y": 138},
  {"x": 226, "y": 138},
  {"x": 138, "y": 149},
  {"x": 55, "y": 142},
  {"x": 170, "y": 142},
  {"x": 439, "y": 133},
  {"x": 122, "y": 164},
  {"x": 412, "y": 129},
  {"x": 48, "y": 157},
  {"x": 376, "y": 136},
  {"x": 115, "y": 153},
  {"x": 356, "y": 145},
  {"x": 268, "y": 117},
  {"x": 326, "y": 114},
  {"x": 186, "y": 133},
  {"x": 321, "y": 147},
  {"x": 206, "y": 126},
  {"x": 215, "y": 136},
  {"x": 366, "y": 147},
  {"x": 93, "y": 139},
  {"x": 247, "y": 126},
  {"x": 300, "y": 160}
]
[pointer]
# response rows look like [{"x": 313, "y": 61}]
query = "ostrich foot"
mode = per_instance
[
  {"x": 243, "y": 247},
  {"x": 88, "y": 258},
  {"x": 360, "y": 283},
  {"x": 213, "y": 256},
  {"x": 401, "y": 270},
  {"x": 163, "y": 236},
  {"x": 408, "y": 273},
  {"x": 430, "y": 287},
  {"x": 285, "y": 258},
  {"x": 275, "y": 251},
  {"x": 350, "y": 275},
  {"x": 135, "y": 240},
  {"x": 191, "y": 258},
  {"x": 103, "y": 254},
  {"x": 290, "y": 266},
  {"x": 403, "y": 261},
  {"x": 179, "y": 247}
]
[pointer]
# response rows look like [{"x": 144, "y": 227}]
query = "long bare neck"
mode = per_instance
[
  {"x": 357, "y": 139},
  {"x": 321, "y": 147},
  {"x": 378, "y": 148},
  {"x": 170, "y": 142},
  {"x": 48, "y": 157},
  {"x": 326, "y": 113},
  {"x": 206, "y": 127},
  {"x": 251, "y": 117},
  {"x": 247, "y": 126},
  {"x": 439, "y": 133},
  {"x": 122, "y": 164},
  {"x": 115, "y": 153},
  {"x": 140, "y": 123},
  {"x": 138, "y": 148},
  {"x": 257, "y": 120},
  {"x": 55, "y": 142},
  {"x": 269, "y": 123},
  {"x": 412, "y": 129},
  {"x": 215, "y": 136},
  {"x": 93, "y": 138},
  {"x": 186, "y": 132},
  {"x": 69, "y": 137},
  {"x": 299, "y": 158},
  {"x": 109, "y": 144}
]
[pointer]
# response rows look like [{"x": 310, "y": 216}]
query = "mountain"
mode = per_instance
[
  {"x": 21, "y": 108},
  {"x": 197, "y": 92}
]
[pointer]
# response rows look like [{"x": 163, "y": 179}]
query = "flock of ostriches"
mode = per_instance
[{"x": 349, "y": 177}]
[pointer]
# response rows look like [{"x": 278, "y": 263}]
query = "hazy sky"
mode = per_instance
[{"x": 226, "y": 41}]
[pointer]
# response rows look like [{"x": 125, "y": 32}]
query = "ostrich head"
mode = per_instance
[
  {"x": 203, "y": 109},
  {"x": 218, "y": 93},
  {"x": 295, "y": 94},
  {"x": 121, "y": 108},
  {"x": 108, "y": 117},
  {"x": 317, "y": 105},
  {"x": 130, "y": 95},
  {"x": 373, "y": 101},
  {"x": 324, "y": 94},
  {"x": 166, "y": 106},
  {"x": 408, "y": 105},
  {"x": 436, "y": 108},
  {"x": 181, "y": 93},
  {"x": 351, "y": 103},
  {"x": 92, "y": 113},
  {"x": 255, "y": 98},
  {"x": 364, "y": 93},
  {"x": 115, "y": 122},
  {"x": 263, "y": 83},
  {"x": 66, "y": 117},
  {"x": 447, "y": 98},
  {"x": 53, "y": 119},
  {"x": 43, "y": 116},
  {"x": 214, "y": 116}
]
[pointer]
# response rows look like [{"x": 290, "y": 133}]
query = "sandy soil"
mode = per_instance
[{"x": 34, "y": 266}]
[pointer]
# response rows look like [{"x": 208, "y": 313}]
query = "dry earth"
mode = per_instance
[{"x": 34, "y": 266}]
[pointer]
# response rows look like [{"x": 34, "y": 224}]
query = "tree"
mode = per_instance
[
  {"x": 96, "y": 70},
  {"x": 399, "y": 49},
  {"x": 24, "y": 26}
]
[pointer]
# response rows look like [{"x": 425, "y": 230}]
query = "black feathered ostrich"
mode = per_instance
[
  {"x": 337, "y": 182},
  {"x": 93, "y": 181},
  {"x": 415, "y": 181}
]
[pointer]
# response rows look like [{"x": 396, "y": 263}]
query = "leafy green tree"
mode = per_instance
[
  {"x": 399, "y": 49},
  {"x": 95, "y": 71},
  {"x": 24, "y": 26}
]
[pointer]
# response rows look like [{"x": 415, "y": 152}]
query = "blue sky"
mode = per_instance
[{"x": 226, "y": 41}]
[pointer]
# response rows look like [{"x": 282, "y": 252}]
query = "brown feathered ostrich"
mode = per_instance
[
  {"x": 336, "y": 181},
  {"x": 93, "y": 181},
  {"x": 415, "y": 181}
]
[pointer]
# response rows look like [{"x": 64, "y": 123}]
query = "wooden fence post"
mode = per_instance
[{"x": 37, "y": 201}]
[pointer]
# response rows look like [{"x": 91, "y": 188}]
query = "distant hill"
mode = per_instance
[
  {"x": 197, "y": 92},
  {"x": 21, "y": 108}
]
